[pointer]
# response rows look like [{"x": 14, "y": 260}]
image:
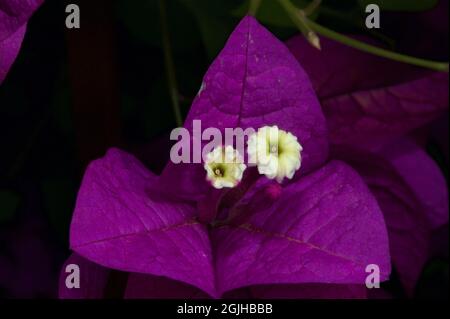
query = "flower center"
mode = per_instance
[
  {"x": 273, "y": 149},
  {"x": 218, "y": 172}
]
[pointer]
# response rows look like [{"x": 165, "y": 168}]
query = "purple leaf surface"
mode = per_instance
[
  {"x": 9, "y": 48},
  {"x": 328, "y": 220},
  {"x": 413, "y": 196},
  {"x": 423, "y": 176},
  {"x": 14, "y": 15},
  {"x": 255, "y": 81},
  {"x": 369, "y": 100},
  {"x": 325, "y": 228},
  {"x": 117, "y": 223}
]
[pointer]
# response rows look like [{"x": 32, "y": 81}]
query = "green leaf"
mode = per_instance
[
  {"x": 270, "y": 12},
  {"x": 9, "y": 201},
  {"x": 401, "y": 5}
]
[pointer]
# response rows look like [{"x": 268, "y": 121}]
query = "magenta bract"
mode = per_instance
[
  {"x": 14, "y": 15},
  {"x": 369, "y": 102},
  {"x": 323, "y": 227}
]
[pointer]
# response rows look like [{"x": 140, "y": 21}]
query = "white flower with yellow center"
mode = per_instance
[
  {"x": 224, "y": 167},
  {"x": 275, "y": 152}
]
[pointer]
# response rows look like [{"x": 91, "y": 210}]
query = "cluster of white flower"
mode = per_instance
[{"x": 275, "y": 152}]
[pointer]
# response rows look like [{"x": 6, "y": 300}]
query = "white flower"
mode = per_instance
[
  {"x": 275, "y": 152},
  {"x": 224, "y": 167}
]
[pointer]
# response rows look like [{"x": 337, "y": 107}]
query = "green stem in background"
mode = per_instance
[
  {"x": 298, "y": 17},
  {"x": 356, "y": 22},
  {"x": 438, "y": 66},
  {"x": 302, "y": 22},
  {"x": 170, "y": 67},
  {"x": 254, "y": 6},
  {"x": 312, "y": 7}
]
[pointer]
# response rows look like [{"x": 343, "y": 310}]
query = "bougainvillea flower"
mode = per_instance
[
  {"x": 321, "y": 227},
  {"x": 367, "y": 110},
  {"x": 275, "y": 152},
  {"x": 14, "y": 15},
  {"x": 224, "y": 167}
]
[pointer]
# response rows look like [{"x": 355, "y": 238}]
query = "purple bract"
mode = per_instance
[
  {"x": 323, "y": 227},
  {"x": 14, "y": 15}
]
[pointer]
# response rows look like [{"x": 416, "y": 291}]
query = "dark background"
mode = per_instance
[{"x": 72, "y": 94}]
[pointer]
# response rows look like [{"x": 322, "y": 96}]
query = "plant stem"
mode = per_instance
[
  {"x": 303, "y": 23},
  {"x": 312, "y": 7},
  {"x": 299, "y": 18},
  {"x": 294, "y": 13},
  {"x": 254, "y": 6},
  {"x": 439, "y": 66},
  {"x": 170, "y": 67}
]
